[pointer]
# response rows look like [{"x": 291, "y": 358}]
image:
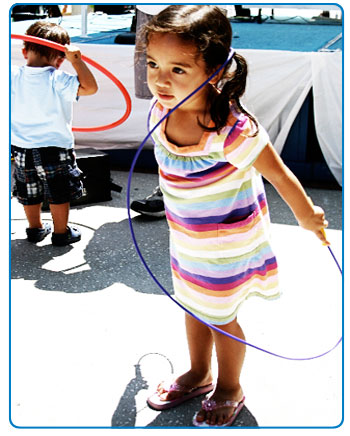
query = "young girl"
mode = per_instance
[{"x": 211, "y": 154}]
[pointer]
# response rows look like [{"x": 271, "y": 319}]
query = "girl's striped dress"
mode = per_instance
[{"x": 218, "y": 218}]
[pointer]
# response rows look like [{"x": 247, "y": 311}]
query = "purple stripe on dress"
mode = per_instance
[
  {"x": 222, "y": 280},
  {"x": 230, "y": 285},
  {"x": 210, "y": 170},
  {"x": 232, "y": 217}
]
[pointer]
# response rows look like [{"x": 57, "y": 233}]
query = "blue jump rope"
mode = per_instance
[{"x": 231, "y": 54}]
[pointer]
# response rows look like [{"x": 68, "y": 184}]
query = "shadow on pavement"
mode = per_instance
[
  {"x": 126, "y": 412},
  {"x": 110, "y": 256}
]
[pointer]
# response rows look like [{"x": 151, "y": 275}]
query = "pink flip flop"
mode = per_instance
[
  {"x": 156, "y": 403},
  {"x": 209, "y": 405}
]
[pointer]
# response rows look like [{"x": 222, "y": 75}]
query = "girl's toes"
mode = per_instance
[
  {"x": 207, "y": 417},
  {"x": 168, "y": 396},
  {"x": 163, "y": 396},
  {"x": 201, "y": 416},
  {"x": 221, "y": 420},
  {"x": 211, "y": 418}
]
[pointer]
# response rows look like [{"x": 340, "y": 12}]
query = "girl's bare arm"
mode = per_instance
[{"x": 310, "y": 217}]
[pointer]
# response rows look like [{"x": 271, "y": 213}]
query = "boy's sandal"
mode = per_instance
[
  {"x": 209, "y": 405},
  {"x": 157, "y": 403},
  {"x": 38, "y": 234},
  {"x": 72, "y": 235}
]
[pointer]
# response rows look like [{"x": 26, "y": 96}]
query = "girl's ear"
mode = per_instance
[
  {"x": 24, "y": 53},
  {"x": 216, "y": 78}
]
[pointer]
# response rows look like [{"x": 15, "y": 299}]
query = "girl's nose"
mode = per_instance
[{"x": 162, "y": 79}]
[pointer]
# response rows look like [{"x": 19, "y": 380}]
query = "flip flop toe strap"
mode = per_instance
[
  {"x": 174, "y": 387},
  {"x": 209, "y": 405}
]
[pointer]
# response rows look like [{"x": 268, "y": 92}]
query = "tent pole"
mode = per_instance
[{"x": 83, "y": 9}]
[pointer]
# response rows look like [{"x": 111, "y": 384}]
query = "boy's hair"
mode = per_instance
[
  {"x": 209, "y": 29},
  {"x": 50, "y": 31}
]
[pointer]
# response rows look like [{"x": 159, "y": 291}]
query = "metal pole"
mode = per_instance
[{"x": 84, "y": 9}]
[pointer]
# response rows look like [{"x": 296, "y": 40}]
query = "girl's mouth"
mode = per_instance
[{"x": 165, "y": 96}]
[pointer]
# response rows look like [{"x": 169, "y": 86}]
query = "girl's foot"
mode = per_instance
[
  {"x": 222, "y": 414},
  {"x": 189, "y": 380}
]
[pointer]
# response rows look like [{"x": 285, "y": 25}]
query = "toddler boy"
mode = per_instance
[{"x": 41, "y": 131}]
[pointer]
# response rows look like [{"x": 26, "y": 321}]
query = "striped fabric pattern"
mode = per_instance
[{"x": 218, "y": 218}]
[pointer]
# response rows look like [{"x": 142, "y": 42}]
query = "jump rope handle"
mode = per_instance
[{"x": 324, "y": 234}]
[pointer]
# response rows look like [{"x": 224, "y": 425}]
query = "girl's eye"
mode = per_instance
[
  {"x": 152, "y": 64},
  {"x": 178, "y": 70}
]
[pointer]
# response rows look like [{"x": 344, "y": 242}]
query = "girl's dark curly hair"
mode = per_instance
[
  {"x": 50, "y": 31},
  {"x": 209, "y": 29}
]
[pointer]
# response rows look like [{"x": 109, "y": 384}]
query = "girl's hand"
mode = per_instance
[
  {"x": 72, "y": 53},
  {"x": 316, "y": 222}
]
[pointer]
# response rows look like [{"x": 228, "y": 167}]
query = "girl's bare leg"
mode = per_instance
[
  {"x": 200, "y": 345},
  {"x": 230, "y": 355}
]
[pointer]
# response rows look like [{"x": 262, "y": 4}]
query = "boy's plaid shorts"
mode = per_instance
[{"x": 49, "y": 173}]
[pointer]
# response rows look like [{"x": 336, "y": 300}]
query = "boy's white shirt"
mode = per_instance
[{"x": 42, "y": 107}]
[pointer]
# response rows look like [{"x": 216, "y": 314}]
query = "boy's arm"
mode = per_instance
[
  {"x": 311, "y": 217},
  {"x": 88, "y": 85}
]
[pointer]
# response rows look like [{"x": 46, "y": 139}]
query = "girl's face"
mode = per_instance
[{"x": 174, "y": 70}]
